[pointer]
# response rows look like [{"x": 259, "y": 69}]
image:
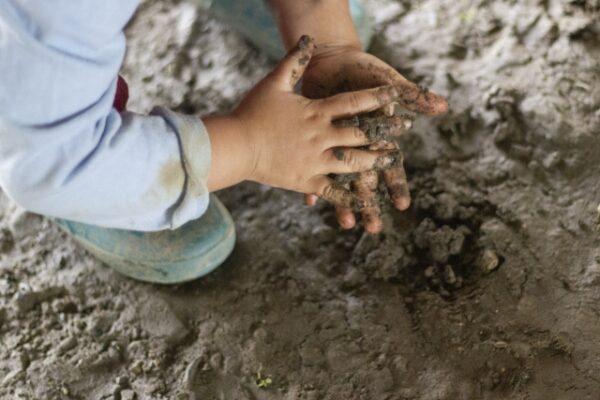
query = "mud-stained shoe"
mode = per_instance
[
  {"x": 253, "y": 19},
  {"x": 171, "y": 256}
]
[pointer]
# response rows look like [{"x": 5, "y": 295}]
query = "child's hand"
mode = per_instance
[
  {"x": 341, "y": 68},
  {"x": 282, "y": 139}
]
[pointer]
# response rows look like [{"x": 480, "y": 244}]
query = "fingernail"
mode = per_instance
[
  {"x": 304, "y": 42},
  {"x": 347, "y": 223},
  {"x": 373, "y": 225},
  {"x": 402, "y": 203}
]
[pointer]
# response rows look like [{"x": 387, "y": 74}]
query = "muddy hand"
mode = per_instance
[
  {"x": 337, "y": 69},
  {"x": 295, "y": 142}
]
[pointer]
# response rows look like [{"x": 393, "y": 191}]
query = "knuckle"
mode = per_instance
[
  {"x": 326, "y": 191},
  {"x": 358, "y": 133},
  {"x": 336, "y": 154},
  {"x": 314, "y": 139},
  {"x": 353, "y": 101},
  {"x": 315, "y": 114},
  {"x": 319, "y": 106},
  {"x": 350, "y": 158}
]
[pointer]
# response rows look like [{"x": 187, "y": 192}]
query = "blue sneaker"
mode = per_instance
[
  {"x": 171, "y": 256},
  {"x": 253, "y": 19}
]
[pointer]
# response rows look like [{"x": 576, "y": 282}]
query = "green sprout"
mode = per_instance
[
  {"x": 468, "y": 16},
  {"x": 263, "y": 383}
]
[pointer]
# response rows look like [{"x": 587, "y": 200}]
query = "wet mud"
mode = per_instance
[{"x": 487, "y": 287}]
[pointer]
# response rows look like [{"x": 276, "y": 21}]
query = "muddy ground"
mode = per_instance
[{"x": 487, "y": 288}]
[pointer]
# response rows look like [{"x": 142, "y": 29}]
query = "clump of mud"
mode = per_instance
[{"x": 442, "y": 246}]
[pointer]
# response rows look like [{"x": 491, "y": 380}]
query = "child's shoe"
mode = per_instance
[{"x": 170, "y": 256}]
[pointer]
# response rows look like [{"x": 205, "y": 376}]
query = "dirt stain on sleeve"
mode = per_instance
[{"x": 171, "y": 177}]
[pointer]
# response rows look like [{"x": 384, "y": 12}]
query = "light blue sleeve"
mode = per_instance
[{"x": 64, "y": 151}]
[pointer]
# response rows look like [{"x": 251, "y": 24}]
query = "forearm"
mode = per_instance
[
  {"x": 328, "y": 21},
  {"x": 130, "y": 171}
]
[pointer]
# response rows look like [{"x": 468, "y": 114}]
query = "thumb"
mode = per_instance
[{"x": 290, "y": 70}]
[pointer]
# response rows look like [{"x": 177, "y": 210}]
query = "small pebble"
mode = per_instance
[
  {"x": 26, "y": 301},
  {"x": 488, "y": 261},
  {"x": 500, "y": 344},
  {"x": 429, "y": 272},
  {"x": 66, "y": 345},
  {"x": 122, "y": 382},
  {"x": 552, "y": 160},
  {"x": 216, "y": 361},
  {"x": 24, "y": 224},
  {"x": 324, "y": 234},
  {"x": 128, "y": 394},
  {"x": 136, "y": 368},
  {"x": 354, "y": 277},
  {"x": 449, "y": 275}
]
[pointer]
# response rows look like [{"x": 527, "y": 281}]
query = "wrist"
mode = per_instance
[
  {"x": 335, "y": 48},
  {"x": 250, "y": 148},
  {"x": 233, "y": 156}
]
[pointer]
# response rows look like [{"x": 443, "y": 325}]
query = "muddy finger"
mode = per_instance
[
  {"x": 376, "y": 128},
  {"x": 383, "y": 145},
  {"x": 292, "y": 67},
  {"x": 347, "y": 160},
  {"x": 310, "y": 200},
  {"x": 397, "y": 185},
  {"x": 384, "y": 128},
  {"x": 346, "y": 105},
  {"x": 366, "y": 191},
  {"x": 419, "y": 99},
  {"x": 333, "y": 192},
  {"x": 345, "y": 217}
]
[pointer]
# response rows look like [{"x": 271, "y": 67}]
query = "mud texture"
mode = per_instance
[
  {"x": 488, "y": 287},
  {"x": 377, "y": 127}
]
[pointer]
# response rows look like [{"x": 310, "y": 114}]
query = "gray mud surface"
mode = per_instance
[{"x": 487, "y": 288}]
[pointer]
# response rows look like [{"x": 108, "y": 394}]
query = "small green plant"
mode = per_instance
[
  {"x": 468, "y": 16},
  {"x": 263, "y": 383}
]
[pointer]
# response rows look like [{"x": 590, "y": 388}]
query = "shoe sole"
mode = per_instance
[{"x": 178, "y": 271}]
